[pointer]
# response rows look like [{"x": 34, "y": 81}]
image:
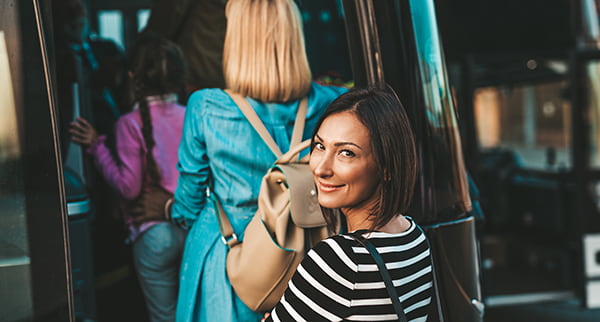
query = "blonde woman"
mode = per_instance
[{"x": 264, "y": 60}]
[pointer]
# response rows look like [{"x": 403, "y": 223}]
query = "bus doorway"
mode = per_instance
[{"x": 524, "y": 79}]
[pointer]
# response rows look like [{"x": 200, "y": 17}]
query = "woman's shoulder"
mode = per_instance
[
  {"x": 326, "y": 91},
  {"x": 213, "y": 95},
  {"x": 337, "y": 251},
  {"x": 212, "y": 101},
  {"x": 339, "y": 244}
]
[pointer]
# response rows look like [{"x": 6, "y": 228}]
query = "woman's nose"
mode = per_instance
[{"x": 320, "y": 165}]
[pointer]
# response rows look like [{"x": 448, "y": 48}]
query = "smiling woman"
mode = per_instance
[
  {"x": 369, "y": 134},
  {"x": 363, "y": 161}
]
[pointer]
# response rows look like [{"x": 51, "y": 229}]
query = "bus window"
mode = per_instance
[
  {"x": 110, "y": 26},
  {"x": 142, "y": 18},
  {"x": 326, "y": 45},
  {"x": 593, "y": 99},
  {"x": 531, "y": 120},
  {"x": 15, "y": 293}
]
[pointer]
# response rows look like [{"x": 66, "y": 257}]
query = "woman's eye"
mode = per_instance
[
  {"x": 318, "y": 146},
  {"x": 347, "y": 153}
]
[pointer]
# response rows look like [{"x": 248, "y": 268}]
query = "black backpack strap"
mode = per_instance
[{"x": 389, "y": 285}]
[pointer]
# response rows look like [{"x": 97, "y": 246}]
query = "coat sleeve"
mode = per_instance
[{"x": 193, "y": 166}]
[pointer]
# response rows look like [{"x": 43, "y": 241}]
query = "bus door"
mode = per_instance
[
  {"x": 35, "y": 275},
  {"x": 397, "y": 43},
  {"x": 528, "y": 92}
]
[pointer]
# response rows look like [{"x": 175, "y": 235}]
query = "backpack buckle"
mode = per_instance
[{"x": 230, "y": 241}]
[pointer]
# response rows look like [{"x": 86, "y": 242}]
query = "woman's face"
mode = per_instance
[{"x": 343, "y": 164}]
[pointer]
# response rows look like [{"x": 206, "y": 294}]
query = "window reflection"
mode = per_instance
[
  {"x": 9, "y": 144},
  {"x": 15, "y": 281},
  {"x": 593, "y": 79},
  {"x": 110, "y": 25},
  {"x": 450, "y": 182},
  {"x": 142, "y": 18}
]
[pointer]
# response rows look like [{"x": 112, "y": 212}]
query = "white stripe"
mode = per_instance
[
  {"x": 382, "y": 317},
  {"x": 394, "y": 265},
  {"x": 420, "y": 319},
  {"x": 387, "y": 300},
  {"x": 275, "y": 317},
  {"x": 408, "y": 279},
  {"x": 311, "y": 304},
  {"x": 341, "y": 254},
  {"x": 416, "y": 291},
  {"x": 314, "y": 283},
  {"x": 291, "y": 310},
  {"x": 370, "y": 302},
  {"x": 391, "y": 249},
  {"x": 418, "y": 305},
  {"x": 326, "y": 269}
]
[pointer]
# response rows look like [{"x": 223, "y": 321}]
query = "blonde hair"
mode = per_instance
[{"x": 264, "y": 55}]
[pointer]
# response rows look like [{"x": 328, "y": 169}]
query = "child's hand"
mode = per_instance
[
  {"x": 265, "y": 317},
  {"x": 82, "y": 132}
]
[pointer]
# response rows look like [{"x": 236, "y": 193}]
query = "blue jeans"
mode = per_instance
[{"x": 157, "y": 256}]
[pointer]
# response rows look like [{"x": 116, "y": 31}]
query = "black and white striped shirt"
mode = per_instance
[{"x": 338, "y": 280}]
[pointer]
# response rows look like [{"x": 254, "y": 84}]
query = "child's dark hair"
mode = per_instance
[{"x": 158, "y": 69}]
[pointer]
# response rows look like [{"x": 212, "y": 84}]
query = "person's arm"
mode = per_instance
[
  {"x": 190, "y": 195},
  {"x": 321, "y": 289},
  {"x": 126, "y": 177},
  {"x": 166, "y": 16}
]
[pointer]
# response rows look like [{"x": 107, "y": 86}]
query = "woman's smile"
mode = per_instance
[{"x": 325, "y": 187}]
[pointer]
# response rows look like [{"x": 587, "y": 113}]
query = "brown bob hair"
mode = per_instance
[{"x": 393, "y": 144}]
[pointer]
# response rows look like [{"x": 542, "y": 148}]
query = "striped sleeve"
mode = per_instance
[{"x": 321, "y": 288}]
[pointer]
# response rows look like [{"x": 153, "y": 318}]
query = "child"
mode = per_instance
[{"x": 145, "y": 162}]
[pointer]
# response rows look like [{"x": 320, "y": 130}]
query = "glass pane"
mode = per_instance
[
  {"x": 15, "y": 281},
  {"x": 142, "y": 18},
  {"x": 533, "y": 121},
  {"x": 593, "y": 79},
  {"x": 326, "y": 44},
  {"x": 110, "y": 25},
  {"x": 450, "y": 182}
]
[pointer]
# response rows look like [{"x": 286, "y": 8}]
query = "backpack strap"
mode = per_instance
[
  {"x": 299, "y": 123},
  {"x": 228, "y": 236},
  {"x": 294, "y": 152},
  {"x": 387, "y": 280},
  {"x": 260, "y": 128}
]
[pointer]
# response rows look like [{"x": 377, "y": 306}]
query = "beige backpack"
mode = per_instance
[{"x": 287, "y": 224}]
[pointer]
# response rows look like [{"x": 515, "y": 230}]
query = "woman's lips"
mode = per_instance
[{"x": 324, "y": 187}]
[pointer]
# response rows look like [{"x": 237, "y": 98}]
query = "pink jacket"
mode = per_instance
[{"x": 127, "y": 176}]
